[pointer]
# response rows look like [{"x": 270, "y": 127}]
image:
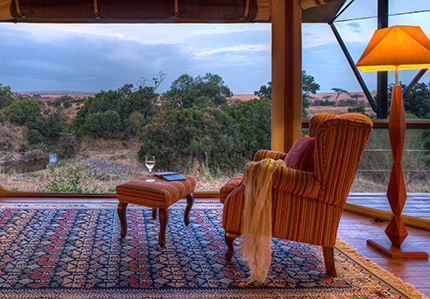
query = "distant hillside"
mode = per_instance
[{"x": 48, "y": 95}]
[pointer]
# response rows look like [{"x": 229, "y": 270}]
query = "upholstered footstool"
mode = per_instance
[{"x": 160, "y": 194}]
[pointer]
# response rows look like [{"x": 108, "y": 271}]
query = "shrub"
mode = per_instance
[
  {"x": 13, "y": 137},
  {"x": 72, "y": 180},
  {"x": 39, "y": 151},
  {"x": 35, "y": 137},
  {"x": 67, "y": 146}
]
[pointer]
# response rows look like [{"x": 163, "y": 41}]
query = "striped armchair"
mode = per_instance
[{"x": 307, "y": 205}]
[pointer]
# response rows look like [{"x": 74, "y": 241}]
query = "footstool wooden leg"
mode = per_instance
[
  {"x": 164, "y": 218},
  {"x": 154, "y": 213},
  {"x": 122, "y": 206},
  {"x": 190, "y": 202}
]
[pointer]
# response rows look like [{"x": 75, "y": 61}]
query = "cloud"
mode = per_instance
[
  {"x": 88, "y": 58},
  {"x": 235, "y": 49}
]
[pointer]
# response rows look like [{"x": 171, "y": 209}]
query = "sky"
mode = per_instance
[{"x": 94, "y": 57}]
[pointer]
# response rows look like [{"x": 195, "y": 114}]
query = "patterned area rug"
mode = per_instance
[{"x": 75, "y": 251}]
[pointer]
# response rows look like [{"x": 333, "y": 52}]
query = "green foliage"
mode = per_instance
[
  {"x": 418, "y": 100},
  {"x": 57, "y": 122},
  {"x": 339, "y": 91},
  {"x": 177, "y": 137},
  {"x": 72, "y": 181},
  {"x": 67, "y": 146},
  {"x": 308, "y": 84},
  {"x": 108, "y": 112},
  {"x": 27, "y": 112},
  {"x": 252, "y": 120},
  {"x": 6, "y": 96},
  {"x": 101, "y": 124},
  {"x": 265, "y": 91},
  {"x": 35, "y": 137},
  {"x": 64, "y": 101},
  {"x": 67, "y": 104},
  {"x": 207, "y": 91},
  {"x": 38, "y": 151}
]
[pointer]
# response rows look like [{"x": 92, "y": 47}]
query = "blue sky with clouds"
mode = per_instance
[{"x": 106, "y": 56}]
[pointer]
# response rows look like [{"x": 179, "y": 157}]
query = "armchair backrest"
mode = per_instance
[{"x": 339, "y": 145}]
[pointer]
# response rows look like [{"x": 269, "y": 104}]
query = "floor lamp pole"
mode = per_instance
[{"x": 396, "y": 192}]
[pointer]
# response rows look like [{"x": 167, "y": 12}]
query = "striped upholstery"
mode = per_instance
[
  {"x": 159, "y": 194},
  {"x": 264, "y": 154},
  {"x": 307, "y": 206},
  {"x": 230, "y": 186},
  {"x": 316, "y": 120}
]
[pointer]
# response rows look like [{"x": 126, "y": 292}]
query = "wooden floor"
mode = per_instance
[{"x": 355, "y": 230}]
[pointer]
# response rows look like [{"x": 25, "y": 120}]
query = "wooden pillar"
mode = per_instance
[{"x": 286, "y": 73}]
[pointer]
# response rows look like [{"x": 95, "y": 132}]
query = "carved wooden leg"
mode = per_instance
[
  {"x": 229, "y": 239},
  {"x": 154, "y": 213},
  {"x": 164, "y": 218},
  {"x": 329, "y": 261},
  {"x": 190, "y": 202},
  {"x": 122, "y": 206}
]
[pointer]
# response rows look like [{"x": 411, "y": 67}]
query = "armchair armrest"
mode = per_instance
[
  {"x": 263, "y": 154},
  {"x": 296, "y": 182}
]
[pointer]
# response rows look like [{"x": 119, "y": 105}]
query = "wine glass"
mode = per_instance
[{"x": 150, "y": 163}]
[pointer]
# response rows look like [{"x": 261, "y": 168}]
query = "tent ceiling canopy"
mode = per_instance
[{"x": 156, "y": 11}]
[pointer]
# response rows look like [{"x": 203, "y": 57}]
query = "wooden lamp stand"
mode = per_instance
[{"x": 396, "y": 193}]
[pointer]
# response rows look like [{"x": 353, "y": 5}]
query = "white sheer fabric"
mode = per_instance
[{"x": 257, "y": 220}]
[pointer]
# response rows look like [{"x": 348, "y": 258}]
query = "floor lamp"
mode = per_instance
[{"x": 396, "y": 48}]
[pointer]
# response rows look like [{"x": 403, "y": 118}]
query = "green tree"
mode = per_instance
[
  {"x": 308, "y": 86},
  {"x": 203, "y": 91},
  {"x": 338, "y": 91},
  {"x": 124, "y": 101},
  {"x": 57, "y": 122},
  {"x": 252, "y": 120},
  {"x": 6, "y": 96},
  {"x": 265, "y": 91},
  {"x": 180, "y": 137},
  {"x": 418, "y": 100},
  {"x": 28, "y": 112}
]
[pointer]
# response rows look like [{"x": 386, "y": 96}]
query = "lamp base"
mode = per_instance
[{"x": 403, "y": 252}]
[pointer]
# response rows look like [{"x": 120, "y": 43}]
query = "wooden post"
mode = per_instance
[{"x": 286, "y": 74}]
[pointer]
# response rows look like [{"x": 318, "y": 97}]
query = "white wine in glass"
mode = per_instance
[{"x": 150, "y": 163}]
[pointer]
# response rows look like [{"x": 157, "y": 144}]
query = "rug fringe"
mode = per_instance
[{"x": 377, "y": 269}]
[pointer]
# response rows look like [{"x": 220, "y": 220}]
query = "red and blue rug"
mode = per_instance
[{"x": 75, "y": 251}]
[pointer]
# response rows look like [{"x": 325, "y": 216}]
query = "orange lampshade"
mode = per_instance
[{"x": 404, "y": 47}]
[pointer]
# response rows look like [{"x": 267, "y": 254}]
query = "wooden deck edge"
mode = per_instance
[{"x": 408, "y": 220}]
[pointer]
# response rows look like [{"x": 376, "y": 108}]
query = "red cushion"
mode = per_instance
[{"x": 301, "y": 155}]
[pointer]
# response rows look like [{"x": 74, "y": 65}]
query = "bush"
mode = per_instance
[
  {"x": 177, "y": 137},
  {"x": 72, "y": 181},
  {"x": 13, "y": 137},
  {"x": 35, "y": 137},
  {"x": 38, "y": 151},
  {"x": 67, "y": 146},
  {"x": 67, "y": 104},
  {"x": 27, "y": 112}
]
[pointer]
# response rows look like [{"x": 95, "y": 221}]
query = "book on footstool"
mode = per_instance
[{"x": 170, "y": 176}]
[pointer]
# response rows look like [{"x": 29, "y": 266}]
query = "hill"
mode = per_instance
[{"x": 52, "y": 95}]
